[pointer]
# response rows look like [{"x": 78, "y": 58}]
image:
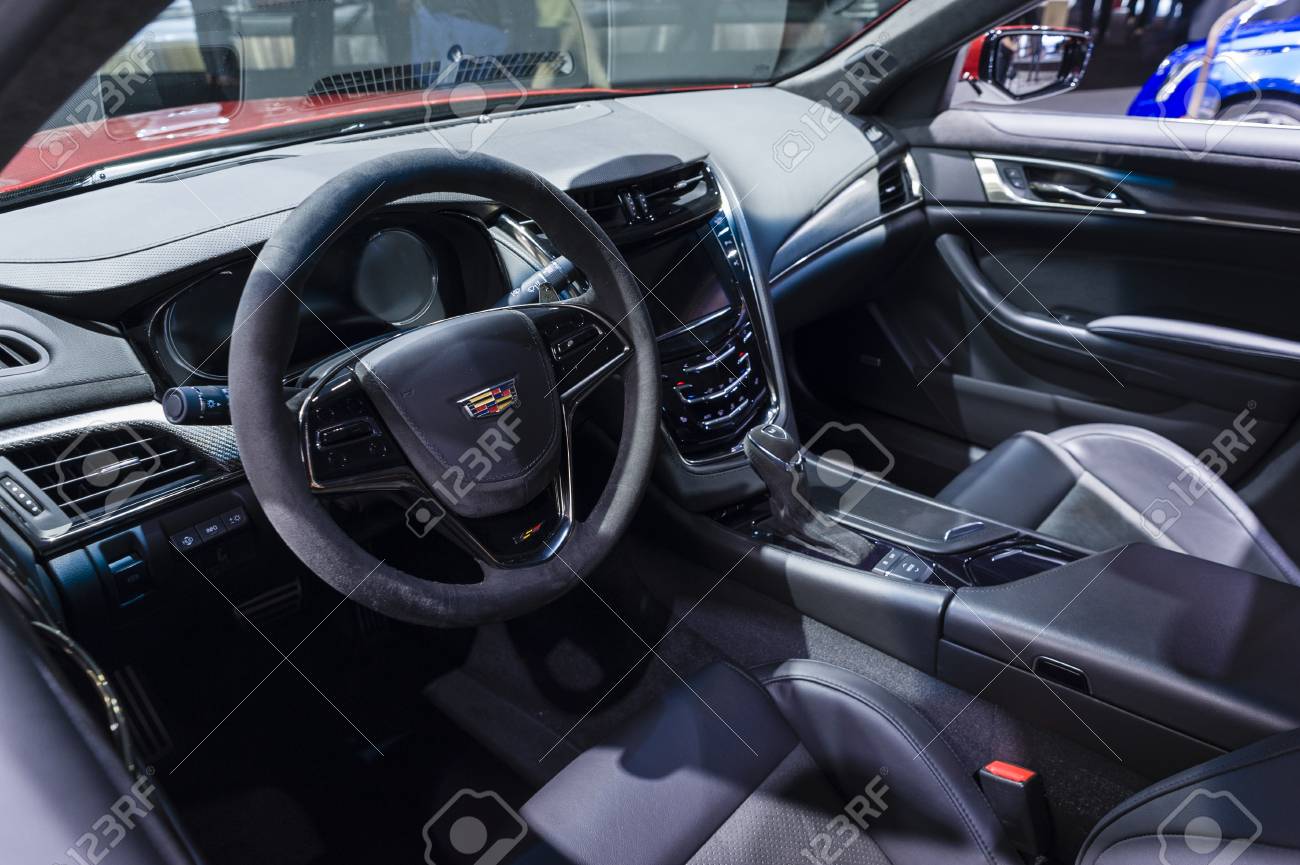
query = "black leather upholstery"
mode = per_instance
[
  {"x": 1103, "y": 485},
  {"x": 740, "y": 768},
  {"x": 672, "y": 787},
  {"x": 1248, "y": 799}
]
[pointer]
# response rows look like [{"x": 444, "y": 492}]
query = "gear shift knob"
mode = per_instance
[
  {"x": 778, "y": 460},
  {"x": 772, "y": 442}
]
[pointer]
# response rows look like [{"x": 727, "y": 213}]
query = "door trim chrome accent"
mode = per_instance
[{"x": 999, "y": 192}]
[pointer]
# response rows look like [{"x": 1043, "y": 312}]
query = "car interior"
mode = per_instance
[{"x": 663, "y": 432}]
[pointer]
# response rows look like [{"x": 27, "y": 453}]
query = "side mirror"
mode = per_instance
[{"x": 1028, "y": 62}]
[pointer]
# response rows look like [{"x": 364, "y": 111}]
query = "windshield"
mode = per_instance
[{"x": 208, "y": 73}]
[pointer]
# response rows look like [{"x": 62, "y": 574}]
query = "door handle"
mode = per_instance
[{"x": 1059, "y": 191}]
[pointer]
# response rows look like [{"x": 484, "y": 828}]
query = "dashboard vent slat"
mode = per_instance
[
  {"x": 19, "y": 354},
  {"x": 512, "y": 70},
  {"x": 894, "y": 186},
  {"x": 641, "y": 208},
  {"x": 98, "y": 472}
]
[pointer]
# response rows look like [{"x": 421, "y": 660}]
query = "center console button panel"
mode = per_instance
[{"x": 713, "y": 385}]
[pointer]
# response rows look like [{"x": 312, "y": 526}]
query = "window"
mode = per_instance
[{"x": 1177, "y": 60}]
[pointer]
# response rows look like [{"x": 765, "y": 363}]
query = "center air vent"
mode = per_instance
[
  {"x": 654, "y": 204},
  {"x": 20, "y": 354},
  {"x": 97, "y": 473}
]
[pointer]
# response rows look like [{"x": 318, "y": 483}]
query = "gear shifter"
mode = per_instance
[{"x": 778, "y": 460}]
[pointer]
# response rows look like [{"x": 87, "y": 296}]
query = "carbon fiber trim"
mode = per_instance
[{"x": 217, "y": 443}]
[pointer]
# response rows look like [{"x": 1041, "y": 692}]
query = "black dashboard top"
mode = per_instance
[{"x": 120, "y": 253}]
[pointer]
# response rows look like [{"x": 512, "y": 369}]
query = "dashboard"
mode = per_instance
[
  {"x": 727, "y": 243},
  {"x": 392, "y": 273}
]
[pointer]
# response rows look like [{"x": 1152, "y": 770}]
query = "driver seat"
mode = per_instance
[{"x": 775, "y": 766}]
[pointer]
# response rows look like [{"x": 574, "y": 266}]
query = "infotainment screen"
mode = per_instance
[{"x": 688, "y": 276}]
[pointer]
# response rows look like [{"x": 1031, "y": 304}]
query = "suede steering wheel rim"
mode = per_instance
[{"x": 282, "y": 466}]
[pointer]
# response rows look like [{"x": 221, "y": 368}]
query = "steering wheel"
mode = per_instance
[{"x": 468, "y": 418}]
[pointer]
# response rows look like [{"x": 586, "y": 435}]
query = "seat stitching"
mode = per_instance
[
  {"x": 943, "y": 781},
  {"x": 1212, "y": 487}
]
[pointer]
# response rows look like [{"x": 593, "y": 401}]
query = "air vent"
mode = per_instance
[
  {"x": 98, "y": 473},
  {"x": 893, "y": 187},
  {"x": 518, "y": 69},
  {"x": 653, "y": 204},
  {"x": 20, "y": 354}
]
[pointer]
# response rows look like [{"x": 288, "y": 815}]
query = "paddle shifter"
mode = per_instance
[{"x": 777, "y": 458}]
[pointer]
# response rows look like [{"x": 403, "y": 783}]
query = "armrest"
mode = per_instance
[
  {"x": 1210, "y": 342},
  {"x": 1198, "y": 647}
]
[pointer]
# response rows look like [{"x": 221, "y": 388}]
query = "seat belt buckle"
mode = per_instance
[{"x": 1020, "y": 804}]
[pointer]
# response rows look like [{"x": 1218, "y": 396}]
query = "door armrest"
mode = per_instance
[{"x": 1207, "y": 341}]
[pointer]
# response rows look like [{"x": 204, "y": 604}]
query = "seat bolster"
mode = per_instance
[
  {"x": 1141, "y": 467},
  {"x": 1248, "y": 797},
  {"x": 856, "y": 730},
  {"x": 1019, "y": 482},
  {"x": 656, "y": 792}
]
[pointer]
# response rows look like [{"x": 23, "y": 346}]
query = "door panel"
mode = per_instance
[{"x": 1085, "y": 270}]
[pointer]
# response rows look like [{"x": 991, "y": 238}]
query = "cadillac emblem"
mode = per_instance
[{"x": 490, "y": 401}]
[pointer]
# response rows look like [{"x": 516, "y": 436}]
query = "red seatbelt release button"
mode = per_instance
[
  {"x": 1009, "y": 771},
  {"x": 1017, "y": 798}
]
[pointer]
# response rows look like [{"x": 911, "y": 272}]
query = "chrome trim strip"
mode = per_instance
[
  {"x": 843, "y": 238},
  {"x": 203, "y": 439},
  {"x": 913, "y": 178},
  {"x": 999, "y": 193},
  {"x": 758, "y": 320},
  {"x": 677, "y": 331},
  {"x": 710, "y": 364},
  {"x": 116, "y": 716}
]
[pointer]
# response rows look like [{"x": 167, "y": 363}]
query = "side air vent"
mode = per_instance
[
  {"x": 653, "y": 204},
  {"x": 893, "y": 187},
  {"x": 100, "y": 472},
  {"x": 20, "y": 354},
  {"x": 899, "y": 185}
]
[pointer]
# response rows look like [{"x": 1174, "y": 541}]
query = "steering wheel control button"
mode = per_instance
[
  {"x": 581, "y": 346},
  {"x": 187, "y": 539},
  {"x": 345, "y": 438},
  {"x": 344, "y": 433}
]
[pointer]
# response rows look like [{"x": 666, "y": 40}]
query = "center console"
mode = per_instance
[
  {"x": 714, "y": 378},
  {"x": 686, "y": 246}
]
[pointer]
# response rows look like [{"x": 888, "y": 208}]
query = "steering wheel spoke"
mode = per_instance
[
  {"x": 585, "y": 349},
  {"x": 526, "y": 536}
]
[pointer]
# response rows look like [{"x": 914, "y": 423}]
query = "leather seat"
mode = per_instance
[
  {"x": 1103, "y": 485},
  {"x": 789, "y": 763}
]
